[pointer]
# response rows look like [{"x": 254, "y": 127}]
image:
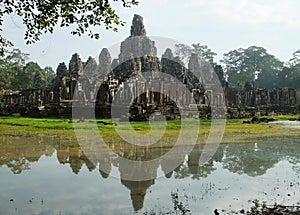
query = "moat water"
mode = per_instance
[{"x": 43, "y": 175}]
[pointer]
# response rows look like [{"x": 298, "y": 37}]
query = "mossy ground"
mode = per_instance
[{"x": 235, "y": 130}]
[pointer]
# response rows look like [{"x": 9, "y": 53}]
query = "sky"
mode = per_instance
[{"x": 223, "y": 25}]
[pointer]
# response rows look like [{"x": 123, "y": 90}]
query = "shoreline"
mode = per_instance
[{"x": 235, "y": 130}]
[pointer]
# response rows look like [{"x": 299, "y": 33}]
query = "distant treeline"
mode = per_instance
[
  {"x": 253, "y": 64},
  {"x": 17, "y": 73}
]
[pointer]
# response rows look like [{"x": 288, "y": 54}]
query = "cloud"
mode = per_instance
[{"x": 254, "y": 12}]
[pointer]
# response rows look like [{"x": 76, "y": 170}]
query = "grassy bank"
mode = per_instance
[{"x": 235, "y": 130}]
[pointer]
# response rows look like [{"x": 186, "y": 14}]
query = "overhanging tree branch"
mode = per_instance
[{"x": 41, "y": 16}]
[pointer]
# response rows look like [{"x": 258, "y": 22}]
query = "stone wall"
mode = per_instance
[{"x": 124, "y": 79}]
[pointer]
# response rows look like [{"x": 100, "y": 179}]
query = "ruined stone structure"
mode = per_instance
[{"x": 124, "y": 81}]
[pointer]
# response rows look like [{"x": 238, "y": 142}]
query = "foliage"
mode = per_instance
[
  {"x": 39, "y": 80},
  {"x": 178, "y": 206},
  {"x": 184, "y": 52},
  {"x": 253, "y": 64},
  {"x": 204, "y": 51},
  {"x": 17, "y": 57},
  {"x": 10, "y": 66},
  {"x": 1, "y": 103},
  {"x": 262, "y": 209},
  {"x": 5, "y": 74},
  {"x": 295, "y": 60},
  {"x": 16, "y": 73},
  {"x": 4, "y": 43},
  {"x": 290, "y": 76},
  {"x": 25, "y": 77},
  {"x": 41, "y": 17},
  {"x": 49, "y": 75}
]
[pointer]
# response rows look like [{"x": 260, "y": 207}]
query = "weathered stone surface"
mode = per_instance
[
  {"x": 193, "y": 74},
  {"x": 168, "y": 54},
  {"x": 138, "y": 192},
  {"x": 104, "y": 61},
  {"x": 126, "y": 82},
  {"x": 137, "y": 47},
  {"x": 138, "y": 44},
  {"x": 90, "y": 67},
  {"x": 172, "y": 65},
  {"x": 220, "y": 73},
  {"x": 75, "y": 66},
  {"x": 61, "y": 72},
  {"x": 201, "y": 69},
  {"x": 114, "y": 63},
  {"x": 127, "y": 69},
  {"x": 203, "y": 73},
  {"x": 195, "y": 65},
  {"x": 137, "y": 28},
  {"x": 150, "y": 64},
  {"x": 138, "y": 53}
]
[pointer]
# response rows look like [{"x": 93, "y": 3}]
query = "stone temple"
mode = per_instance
[{"x": 123, "y": 82}]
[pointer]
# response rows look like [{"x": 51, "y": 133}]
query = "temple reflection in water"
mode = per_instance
[{"x": 19, "y": 153}]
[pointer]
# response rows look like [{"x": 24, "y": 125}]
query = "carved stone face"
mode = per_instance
[{"x": 137, "y": 28}]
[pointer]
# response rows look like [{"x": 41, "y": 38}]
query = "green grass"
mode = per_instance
[
  {"x": 235, "y": 130},
  {"x": 37, "y": 123},
  {"x": 285, "y": 117}
]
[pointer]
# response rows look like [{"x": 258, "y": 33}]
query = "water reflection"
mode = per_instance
[
  {"x": 19, "y": 153},
  {"x": 256, "y": 158},
  {"x": 192, "y": 169}
]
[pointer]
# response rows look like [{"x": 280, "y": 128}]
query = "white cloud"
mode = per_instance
[{"x": 255, "y": 12}]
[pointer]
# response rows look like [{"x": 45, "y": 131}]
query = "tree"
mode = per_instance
[
  {"x": 285, "y": 77},
  {"x": 270, "y": 69},
  {"x": 10, "y": 66},
  {"x": 16, "y": 74},
  {"x": 253, "y": 64},
  {"x": 39, "y": 80},
  {"x": 290, "y": 77},
  {"x": 295, "y": 60},
  {"x": 295, "y": 67},
  {"x": 49, "y": 75},
  {"x": 234, "y": 67},
  {"x": 184, "y": 52},
  {"x": 17, "y": 57},
  {"x": 41, "y": 16},
  {"x": 5, "y": 74},
  {"x": 205, "y": 52},
  {"x": 25, "y": 78},
  {"x": 4, "y": 77}
]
